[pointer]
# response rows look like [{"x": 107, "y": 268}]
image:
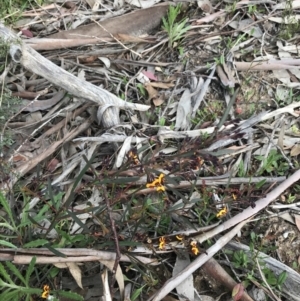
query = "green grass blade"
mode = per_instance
[
  {"x": 36, "y": 243},
  {"x": 30, "y": 269},
  {"x": 6, "y": 207},
  {"x": 6, "y": 225},
  {"x": 10, "y": 295},
  {"x": 7, "y": 244},
  {"x": 5, "y": 276},
  {"x": 16, "y": 272}
]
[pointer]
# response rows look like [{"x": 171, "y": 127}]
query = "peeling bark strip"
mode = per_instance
[
  {"x": 135, "y": 23},
  {"x": 36, "y": 63}
]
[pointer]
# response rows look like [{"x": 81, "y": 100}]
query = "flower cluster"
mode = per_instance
[
  {"x": 162, "y": 243},
  {"x": 194, "y": 247},
  {"x": 46, "y": 291},
  {"x": 157, "y": 183},
  {"x": 133, "y": 156},
  {"x": 222, "y": 212}
]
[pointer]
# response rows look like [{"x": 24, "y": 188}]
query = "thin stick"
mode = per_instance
[
  {"x": 113, "y": 226},
  {"x": 266, "y": 282}
]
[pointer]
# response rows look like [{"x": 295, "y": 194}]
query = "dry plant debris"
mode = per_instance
[{"x": 140, "y": 140}]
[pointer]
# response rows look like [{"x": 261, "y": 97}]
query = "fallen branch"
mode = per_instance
[
  {"x": 36, "y": 63},
  {"x": 267, "y": 65},
  {"x": 215, "y": 271},
  {"x": 44, "y": 256}
]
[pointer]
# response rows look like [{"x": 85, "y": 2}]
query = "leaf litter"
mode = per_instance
[{"x": 210, "y": 114}]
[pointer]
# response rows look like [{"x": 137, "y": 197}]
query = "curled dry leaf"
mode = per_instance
[
  {"x": 74, "y": 270},
  {"x": 225, "y": 75},
  {"x": 20, "y": 158},
  {"x": 105, "y": 61},
  {"x": 157, "y": 101},
  {"x": 152, "y": 93},
  {"x": 238, "y": 291}
]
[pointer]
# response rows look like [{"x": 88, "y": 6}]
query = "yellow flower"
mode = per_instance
[
  {"x": 179, "y": 237},
  {"x": 162, "y": 243},
  {"x": 194, "y": 248},
  {"x": 222, "y": 212},
  {"x": 157, "y": 183},
  {"x": 133, "y": 156},
  {"x": 160, "y": 188},
  {"x": 46, "y": 291}
]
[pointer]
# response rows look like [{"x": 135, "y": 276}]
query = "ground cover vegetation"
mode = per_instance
[{"x": 149, "y": 152}]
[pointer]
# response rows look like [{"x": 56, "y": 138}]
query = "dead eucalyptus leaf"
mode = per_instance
[
  {"x": 157, "y": 101},
  {"x": 295, "y": 151},
  {"x": 74, "y": 270},
  {"x": 106, "y": 290},
  {"x": 162, "y": 85},
  {"x": 206, "y": 6},
  {"x": 152, "y": 93},
  {"x": 119, "y": 275},
  {"x": 286, "y": 20},
  {"x": 185, "y": 289},
  {"x": 225, "y": 75},
  {"x": 183, "y": 111},
  {"x": 253, "y": 30},
  {"x": 105, "y": 61},
  {"x": 123, "y": 151},
  {"x": 295, "y": 4}
]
